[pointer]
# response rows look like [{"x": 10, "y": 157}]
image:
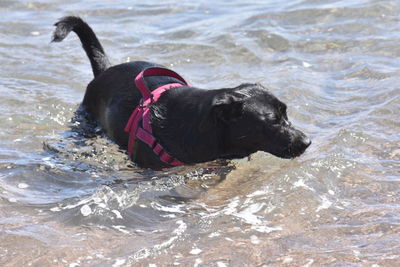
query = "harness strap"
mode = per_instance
[
  {"x": 142, "y": 113},
  {"x": 155, "y": 96},
  {"x": 154, "y": 71}
]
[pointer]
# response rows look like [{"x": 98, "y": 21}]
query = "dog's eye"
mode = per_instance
[
  {"x": 277, "y": 120},
  {"x": 273, "y": 118}
]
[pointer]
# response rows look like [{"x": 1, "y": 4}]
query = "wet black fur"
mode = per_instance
[{"x": 194, "y": 125}]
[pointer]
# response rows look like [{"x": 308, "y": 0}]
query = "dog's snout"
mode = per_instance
[
  {"x": 303, "y": 141},
  {"x": 300, "y": 144}
]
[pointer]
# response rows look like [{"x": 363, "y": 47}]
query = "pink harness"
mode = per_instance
[{"x": 142, "y": 113}]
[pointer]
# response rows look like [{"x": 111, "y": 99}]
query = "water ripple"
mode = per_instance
[{"x": 65, "y": 188}]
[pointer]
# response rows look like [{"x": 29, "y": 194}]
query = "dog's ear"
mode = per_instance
[{"x": 225, "y": 108}]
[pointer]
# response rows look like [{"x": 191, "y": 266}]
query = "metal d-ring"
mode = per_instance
[{"x": 145, "y": 106}]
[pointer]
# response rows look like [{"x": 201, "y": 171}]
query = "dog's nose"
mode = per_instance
[
  {"x": 306, "y": 142},
  {"x": 300, "y": 144}
]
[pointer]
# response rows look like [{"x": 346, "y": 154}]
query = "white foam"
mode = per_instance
[
  {"x": 195, "y": 251},
  {"x": 173, "y": 209},
  {"x": 248, "y": 214},
  {"x": 325, "y": 203},
  {"x": 146, "y": 252},
  {"x": 119, "y": 262},
  {"x": 301, "y": 183},
  {"x": 197, "y": 262},
  {"x": 214, "y": 234},
  {"x": 86, "y": 210},
  {"x": 117, "y": 213},
  {"x": 266, "y": 229},
  {"x": 54, "y": 209},
  {"x": 121, "y": 228},
  {"x": 255, "y": 240},
  {"x": 23, "y": 185},
  {"x": 287, "y": 260},
  {"x": 257, "y": 193},
  {"x": 308, "y": 264}
]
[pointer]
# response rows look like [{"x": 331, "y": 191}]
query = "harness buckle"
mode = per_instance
[{"x": 142, "y": 100}]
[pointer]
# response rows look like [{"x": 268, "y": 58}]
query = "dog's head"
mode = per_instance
[{"x": 251, "y": 119}]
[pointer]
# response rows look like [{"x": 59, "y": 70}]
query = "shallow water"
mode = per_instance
[{"x": 73, "y": 199}]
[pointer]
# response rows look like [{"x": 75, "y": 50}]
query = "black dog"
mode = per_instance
[{"x": 193, "y": 125}]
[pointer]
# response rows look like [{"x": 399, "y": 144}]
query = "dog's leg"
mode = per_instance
[{"x": 90, "y": 43}]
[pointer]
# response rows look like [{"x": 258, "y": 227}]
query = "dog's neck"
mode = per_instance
[{"x": 175, "y": 120}]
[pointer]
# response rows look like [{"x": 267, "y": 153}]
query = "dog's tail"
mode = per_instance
[{"x": 94, "y": 50}]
